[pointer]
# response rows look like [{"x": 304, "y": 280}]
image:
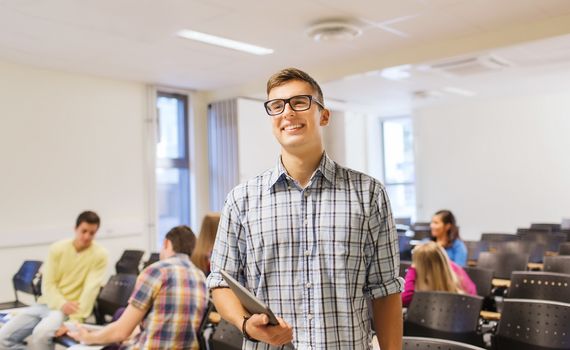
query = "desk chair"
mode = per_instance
[
  {"x": 474, "y": 248},
  {"x": 559, "y": 264},
  {"x": 534, "y": 250},
  {"x": 129, "y": 262},
  {"x": 419, "y": 343},
  {"x": 226, "y": 337},
  {"x": 499, "y": 237},
  {"x": 551, "y": 240},
  {"x": 404, "y": 266},
  {"x": 114, "y": 295},
  {"x": 546, "y": 227},
  {"x": 540, "y": 286},
  {"x": 26, "y": 280},
  {"x": 482, "y": 278},
  {"x": 444, "y": 315},
  {"x": 564, "y": 249},
  {"x": 154, "y": 257},
  {"x": 533, "y": 325},
  {"x": 421, "y": 234},
  {"x": 502, "y": 264},
  {"x": 405, "y": 247}
]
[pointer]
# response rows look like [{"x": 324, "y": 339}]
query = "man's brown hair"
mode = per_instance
[
  {"x": 182, "y": 239},
  {"x": 289, "y": 74}
]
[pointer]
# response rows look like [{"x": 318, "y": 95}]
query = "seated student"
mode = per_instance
[
  {"x": 432, "y": 270},
  {"x": 445, "y": 232},
  {"x": 168, "y": 302},
  {"x": 72, "y": 276},
  {"x": 205, "y": 242}
]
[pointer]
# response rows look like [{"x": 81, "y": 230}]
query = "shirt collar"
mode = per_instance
[{"x": 327, "y": 168}]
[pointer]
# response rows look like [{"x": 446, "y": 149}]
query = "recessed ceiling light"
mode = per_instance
[{"x": 224, "y": 42}]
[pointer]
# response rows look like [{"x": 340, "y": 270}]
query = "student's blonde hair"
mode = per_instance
[
  {"x": 433, "y": 269},
  {"x": 205, "y": 242}
]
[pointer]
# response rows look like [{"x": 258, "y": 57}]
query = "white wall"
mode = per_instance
[
  {"x": 498, "y": 163},
  {"x": 68, "y": 143},
  {"x": 257, "y": 148}
]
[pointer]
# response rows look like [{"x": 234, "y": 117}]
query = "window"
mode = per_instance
[
  {"x": 399, "y": 174},
  {"x": 172, "y": 165}
]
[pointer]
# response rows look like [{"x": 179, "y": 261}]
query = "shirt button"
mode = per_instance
[
  {"x": 309, "y": 348},
  {"x": 305, "y": 222},
  {"x": 307, "y": 252},
  {"x": 306, "y": 194},
  {"x": 310, "y": 316},
  {"x": 309, "y": 285}
]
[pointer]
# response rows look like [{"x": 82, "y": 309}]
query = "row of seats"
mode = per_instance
[{"x": 524, "y": 323}]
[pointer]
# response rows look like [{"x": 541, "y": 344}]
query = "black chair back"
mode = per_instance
[
  {"x": 114, "y": 295},
  {"x": 226, "y": 337},
  {"x": 129, "y": 262},
  {"x": 534, "y": 250},
  {"x": 444, "y": 315},
  {"x": 551, "y": 240},
  {"x": 560, "y": 264},
  {"x": 154, "y": 257},
  {"x": 405, "y": 247},
  {"x": 564, "y": 249},
  {"x": 499, "y": 237},
  {"x": 420, "y": 343},
  {"x": 540, "y": 286},
  {"x": 546, "y": 227},
  {"x": 404, "y": 266},
  {"x": 482, "y": 278},
  {"x": 533, "y": 325},
  {"x": 474, "y": 248},
  {"x": 421, "y": 234},
  {"x": 502, "y": 264}
]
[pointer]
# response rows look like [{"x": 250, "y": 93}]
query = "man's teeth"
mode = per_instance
[{"x": 293, "y": 127}]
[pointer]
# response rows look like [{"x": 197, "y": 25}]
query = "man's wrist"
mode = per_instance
[{"x": 244, "y": 332}]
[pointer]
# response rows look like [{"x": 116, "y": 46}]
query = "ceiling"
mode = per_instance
[{"x": 135, "y": 40}]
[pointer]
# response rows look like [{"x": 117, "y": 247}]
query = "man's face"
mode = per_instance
[
  {"x": 84, "y": 235},
  {"x": 298, "y": 131}
]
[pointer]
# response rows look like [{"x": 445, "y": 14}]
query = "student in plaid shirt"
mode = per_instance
[
  {"x": 168, "y": 302},
  {"x": 313, "y": 240}
]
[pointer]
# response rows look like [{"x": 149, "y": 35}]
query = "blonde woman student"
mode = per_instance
[{"x": 432, "y": 270}]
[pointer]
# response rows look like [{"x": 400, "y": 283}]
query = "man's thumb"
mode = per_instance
[{"x": 259, "y": 320}]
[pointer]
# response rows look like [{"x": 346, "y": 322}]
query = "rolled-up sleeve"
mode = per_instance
[
  {"x": 226, "y": 253},
  {"x": 383, "y": 257}
]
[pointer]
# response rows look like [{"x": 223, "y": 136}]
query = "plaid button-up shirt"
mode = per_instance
[
  {"x": 314, "y": 255},
  {"x": 174, "y": 292}
]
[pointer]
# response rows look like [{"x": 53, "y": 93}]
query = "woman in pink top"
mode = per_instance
[{"x": 432, "y": 270}]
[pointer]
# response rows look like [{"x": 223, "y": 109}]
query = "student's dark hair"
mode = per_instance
[
  {"x": 89, "y": 217},
  {"x": 288, "y": 74},
  {"x": 183, "y": 239},
  {"x": 447, "y": 217}
]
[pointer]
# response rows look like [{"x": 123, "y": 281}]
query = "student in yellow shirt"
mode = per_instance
[{"x": 72, "y": 276}]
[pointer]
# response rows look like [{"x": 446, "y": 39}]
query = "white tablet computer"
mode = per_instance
[{"x": 248, "y": 300}]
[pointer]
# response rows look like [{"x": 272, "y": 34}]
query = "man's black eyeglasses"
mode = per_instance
[{"x": 298, "y": 103}]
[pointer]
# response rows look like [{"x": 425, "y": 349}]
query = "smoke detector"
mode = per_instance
[{"x": 333, "y": 30}]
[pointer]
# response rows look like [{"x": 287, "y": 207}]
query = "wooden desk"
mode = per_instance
[
  {"x": 499, "y": 282},
  {"x": 490, "y": 315},
  {"x": 535, "y": 266}
]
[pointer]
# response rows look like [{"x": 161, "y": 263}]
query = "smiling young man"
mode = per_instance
[
  {"x": 313, "y": 240},
  {"x": 71, "y": 279}
]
